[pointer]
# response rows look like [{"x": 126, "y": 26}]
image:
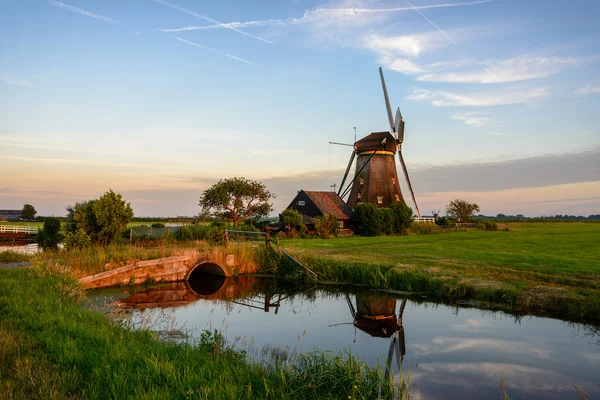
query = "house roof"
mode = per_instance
[
  {"x": 330, "y": 203},
  {"x": 373, "y": 142}
]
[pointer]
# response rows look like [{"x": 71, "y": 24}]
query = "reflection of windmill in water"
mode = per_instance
[
  {"x": 377, "y": 317},
  {"x": 376, "y": 177}
]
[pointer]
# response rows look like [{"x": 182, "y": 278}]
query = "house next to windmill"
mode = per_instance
[{"x": 313, "y": 204}]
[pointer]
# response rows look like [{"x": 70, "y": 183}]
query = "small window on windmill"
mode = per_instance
[
  {"x": 359, "y": 195},
  {"x": 397, "y": 198},
  {"x": 393, "y": 180},
  {"x": 301, "y": 202},
  {"x": 341, "y": 224},
  {"x": 361, "y": 180},
  {"x": 379, "y": 199}
]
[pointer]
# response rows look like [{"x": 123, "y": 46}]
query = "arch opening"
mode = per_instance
[{"x": 206, "y": 278}]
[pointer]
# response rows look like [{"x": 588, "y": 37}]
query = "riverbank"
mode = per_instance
[
  {"x": 51, "y": 347},
  {"x": 547, "y": 269}
]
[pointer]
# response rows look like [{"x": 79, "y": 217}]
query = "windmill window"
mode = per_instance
[
  {"x": 393, "y": 180},
  {"x": 359, "y": 195},
  {"x": 361, "y": 180},
  {"x": 397, "y": 198},
  {"x": 301, "y": 202},
  {"x": 379, "y": 199}
]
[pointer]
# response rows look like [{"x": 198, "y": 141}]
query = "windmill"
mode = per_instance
[{"x": 376, "y": 177}]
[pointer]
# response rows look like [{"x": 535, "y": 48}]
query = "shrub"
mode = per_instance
[
  {"x": 442, "y": 221},
  {"x": 401, "y": 217},
  {"x": 292, "y": 219},
  {"x": 488, "y": 225},
  {"x": 49, "y": 236},
  {"x": 326, "y": 226},
  {"x": 366, "y": 220},
  {"x": 158, "y": 225},
  {"x": 77, "y": 240},
  {"x": 386, "y": 216}
]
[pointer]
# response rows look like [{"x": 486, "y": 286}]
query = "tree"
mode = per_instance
[
  {"x": 49, "y": 236},
  {"x": 28, "y": 212},
  {"x": 292, "y": 219},
  {"x": 461, "y": 209},
  {"x": 99, "y": 219},
  {"x": 326, "y": 226},
  {"x": 366, "y": 220},
  {"x": 402, "y": 217},
  {"x": 236, "y": 199}
]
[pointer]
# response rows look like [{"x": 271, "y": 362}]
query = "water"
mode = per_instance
[{"x": 451, "y": 352}]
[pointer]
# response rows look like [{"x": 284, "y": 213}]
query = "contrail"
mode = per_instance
[
  {"x": 194, "y": 14},
  {"x": 82, "y": 12},
  {"x": 320, "y": 13},
  {"x": 449, "y": 38},
  {"x": 215, "y": 51}
]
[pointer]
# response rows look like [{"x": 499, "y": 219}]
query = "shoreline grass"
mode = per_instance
[{"x": 51, "y": 347}]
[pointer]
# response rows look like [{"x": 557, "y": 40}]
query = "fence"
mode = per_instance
[
  {"x": 424, "y": 220},
  {"x": 30, "y": 230}
]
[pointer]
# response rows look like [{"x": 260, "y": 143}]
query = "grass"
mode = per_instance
[
  {"x": 52, "y": 348},
  {"x": 549, "y": 269},
  {"x": 13, "y": 256}
]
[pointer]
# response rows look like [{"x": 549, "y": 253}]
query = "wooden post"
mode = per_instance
[
  {"x": 268, "y": 238},
  {"x": 278, "y": 245},
  {"x": 130, "y": 234},
  {"x": 150, "y": 231},
  {"x": 226, "y": 236}
]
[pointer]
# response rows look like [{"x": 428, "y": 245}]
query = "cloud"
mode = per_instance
[
  {"x": 406, "y": 45},
  {"x": 338, "y": 16},
  {"x": 445, "y": 99},
  {"x": 508, "y": 70},
  {"x": 472, "y": 118},
  {"x": 588, "y": 89},
  {"x": 215, "y": 51},
  {"x": 82, "y": 12},
  {"x": 214, "y": 21},
  {"x": 18, "y": 82}
]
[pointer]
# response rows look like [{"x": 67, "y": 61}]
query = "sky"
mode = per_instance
[{"x": 159, "y": 99}]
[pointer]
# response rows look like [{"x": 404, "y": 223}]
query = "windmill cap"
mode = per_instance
[{"x": 373, "y": 142}]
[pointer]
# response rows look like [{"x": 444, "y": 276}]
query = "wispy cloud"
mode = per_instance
[
  {"x": 475, "y": 119},
  {"x": 215, "y": 51},
  {"x": 588, "y": 89},
  {"x": 444, "y": 99},
  {"x": 324, "y": 15},
  {"x": 82, "y": 12},
  {"x": 211, "y": 20},
  {"x": 18, "y": 82}
]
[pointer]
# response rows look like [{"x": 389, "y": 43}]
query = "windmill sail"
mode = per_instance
[{"x": 388, "y": 107}]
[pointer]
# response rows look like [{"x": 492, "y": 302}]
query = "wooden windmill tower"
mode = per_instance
[{"x": 376, "y": 177}]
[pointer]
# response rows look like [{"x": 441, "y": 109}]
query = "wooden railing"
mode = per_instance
[
  {"x": 426, "y": 220},
  {"x": 30, "y": 230}
]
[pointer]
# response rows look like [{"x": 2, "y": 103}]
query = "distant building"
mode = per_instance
[
  {"x": 313, "y": 204},
  {"x": 10, "y": 215}
]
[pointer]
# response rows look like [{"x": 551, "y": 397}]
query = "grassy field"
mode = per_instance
[
  {"x": 52, "y": 348},
  {"x": 531, "y": 266}
]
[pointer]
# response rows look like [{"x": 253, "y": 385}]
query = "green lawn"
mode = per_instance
[{"x": 551, "y": 268}]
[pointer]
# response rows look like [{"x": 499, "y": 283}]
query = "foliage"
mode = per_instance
[
  {"x": 49, "y": 236},
  {"x": 212, "y": 233},
  {"x": 461, "y": 209},
  {"x": 100, "y": 219},
  {"x": 292, "y": 219},
  {"x": 488, "y": 225},
  {"x": 158, "y": 225},
  {"x": 236, "y": 199},
  {"x": 442, "y": 221},
  {"x": 77, "y": 240},
  {"x": 13, "y": 256},
  {"x": 366, "y": 220},
  {"x": 370, "y": 220},
  {"x": 401, "y": 217},
  {"x": 326, "y": 226},
  {"x": 28, "y": 212}
]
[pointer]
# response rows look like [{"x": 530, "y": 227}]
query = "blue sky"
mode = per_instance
[{"x": 159, "y": 99}]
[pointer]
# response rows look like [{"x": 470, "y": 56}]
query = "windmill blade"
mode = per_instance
[
  {"x": 399, "y": 125},
  {"x": 347, "y": 171},
  {"x": 388, "y": 108},
  {"x": 412, "y": 193}
]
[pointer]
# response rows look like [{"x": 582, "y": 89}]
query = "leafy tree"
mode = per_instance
[
  {"x": 49, "y": 236},
  {"x": 326, "y": 226},
  {"x": 100, "y": 219},
  {"x": 112, "y": 215},
  {"x": 401, "y": 216},
  {"x": 28, "y": 212},
  {"x": 366, "y": 220},
  {"x": 77, "y": 240},
  {"x": 461, "y": 209},
  {"x": 292, "y": 219},
  {"x": 236, "y": 199}
]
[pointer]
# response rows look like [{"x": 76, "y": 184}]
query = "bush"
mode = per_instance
[
  {"x": 366, "y": 220},
  {"x": 386, "y": 216},
  {"x": 213, "y": 233},
  {"x": 442, "y": 221},
  {"x": 326, "y": 226},
  {"x": 401, "y": 217},
  {"x": 292, "y": 219},
  {"x": 158, "y": 225},
  {"x": 49, "y": 236},
  {"x": 77, "y": 240},
  {"x": 488, "y": 225}
]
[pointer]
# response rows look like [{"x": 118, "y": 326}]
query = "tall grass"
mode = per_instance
[
  {"x": 52, "y": 348},
  {"x": 13, "y": 256}
]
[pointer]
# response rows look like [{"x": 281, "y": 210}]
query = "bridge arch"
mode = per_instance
[{"x": 205, "y": 278}]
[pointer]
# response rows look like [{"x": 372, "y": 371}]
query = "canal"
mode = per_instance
[{"x": 450, "y": 352}]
